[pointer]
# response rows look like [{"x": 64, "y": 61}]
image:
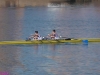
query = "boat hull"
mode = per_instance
[{"x": 79, "y": 40}]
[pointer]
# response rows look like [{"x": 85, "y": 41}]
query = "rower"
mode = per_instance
[
  {"x": 35, "y": 36},
  {"x": 53, "y": 35}
]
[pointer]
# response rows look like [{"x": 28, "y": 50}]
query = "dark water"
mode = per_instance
[{"x": 75, "y": 21}]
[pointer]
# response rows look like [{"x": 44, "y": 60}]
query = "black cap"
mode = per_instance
[
  {"x": 36, "y": 31},
  {"x": 54, "y": 30}
]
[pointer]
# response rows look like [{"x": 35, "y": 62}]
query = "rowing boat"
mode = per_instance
[{"x": 78, "y": 40}]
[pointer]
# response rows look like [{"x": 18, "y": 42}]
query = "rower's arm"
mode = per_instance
[{"x": 32, "y": 36}]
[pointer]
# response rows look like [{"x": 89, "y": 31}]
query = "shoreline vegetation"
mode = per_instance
[{"x": 49, "y": 3}]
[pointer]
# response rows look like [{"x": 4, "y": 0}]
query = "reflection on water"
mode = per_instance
[
  {"x": 8, "y": 58},
  {"x": 65, "y": 59},
  {"x": 77, "y": 20},
  {"x": 10, "y": 23}
]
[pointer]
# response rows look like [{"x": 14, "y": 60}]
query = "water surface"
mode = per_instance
[{"x": 74, "y": 21}]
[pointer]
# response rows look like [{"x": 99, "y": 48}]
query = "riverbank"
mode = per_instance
[{"x": 33, "y": 3}]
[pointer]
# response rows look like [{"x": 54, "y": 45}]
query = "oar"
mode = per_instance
[{"x": 65, "y": 38}]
